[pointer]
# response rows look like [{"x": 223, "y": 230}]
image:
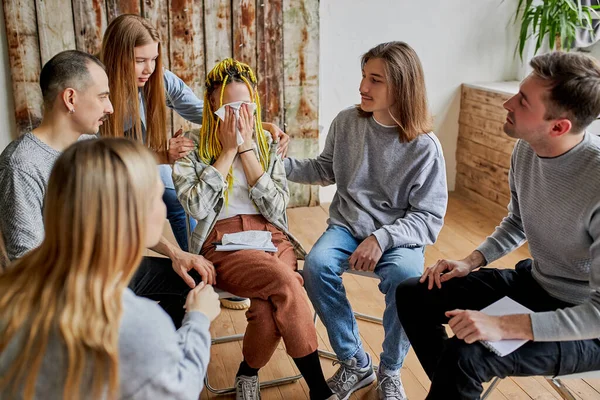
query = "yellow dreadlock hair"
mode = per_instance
[{"x": 209, "y": 149}]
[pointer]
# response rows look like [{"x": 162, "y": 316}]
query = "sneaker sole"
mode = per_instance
[
  {"x": 235, "y": 305},
  {"x": 366, "y": 381}
]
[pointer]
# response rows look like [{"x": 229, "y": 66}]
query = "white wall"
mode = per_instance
[
  {"x": 7, "y": 108},
  {"x": 458, "y": 41}
]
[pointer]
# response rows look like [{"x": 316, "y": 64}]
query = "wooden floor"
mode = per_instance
[{"x": 467, "y": 224}]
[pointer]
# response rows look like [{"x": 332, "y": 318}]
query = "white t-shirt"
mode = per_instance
[{"x": 239, "y": 201}]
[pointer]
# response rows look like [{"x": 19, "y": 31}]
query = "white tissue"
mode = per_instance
[{"x": 236, "y": 108}]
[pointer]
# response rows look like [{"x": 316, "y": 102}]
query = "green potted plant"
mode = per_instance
[{"x": 557, "y": 20}]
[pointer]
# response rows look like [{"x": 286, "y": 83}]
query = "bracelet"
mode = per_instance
[{"x": 242, "y": 152}]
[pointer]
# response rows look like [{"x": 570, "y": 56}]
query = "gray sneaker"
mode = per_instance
[
  {"x": 390, "y": 387},
  {"x": 349, "y": 378},
  {"x": 246, "y": 388}
]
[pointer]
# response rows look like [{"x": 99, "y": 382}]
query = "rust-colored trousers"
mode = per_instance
[{"x": 279, "y": 307}]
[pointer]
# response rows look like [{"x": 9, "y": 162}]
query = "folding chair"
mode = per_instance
[
  {"x": 555, "y": 382},
  {"x": 234, "y": 338}
]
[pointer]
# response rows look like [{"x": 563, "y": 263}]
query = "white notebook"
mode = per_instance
[{"x": 505, "y": 306}]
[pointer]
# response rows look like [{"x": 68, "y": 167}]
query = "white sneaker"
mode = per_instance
[
  {"x": 247, "y": 388},
  {"x": 390, "y": 386},
  {"x": 349, "y": 377}
]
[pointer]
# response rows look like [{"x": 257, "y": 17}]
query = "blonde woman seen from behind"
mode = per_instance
[{"x": 69, "y": 326}]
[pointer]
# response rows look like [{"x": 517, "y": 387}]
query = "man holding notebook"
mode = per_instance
[{"x": 555, "y": 205}]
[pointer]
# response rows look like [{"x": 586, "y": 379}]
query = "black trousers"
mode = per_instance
[
  {"x": 156, "y": 280},
  {"x": 457, "y": 369}
]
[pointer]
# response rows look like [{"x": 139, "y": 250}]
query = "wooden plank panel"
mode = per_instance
[
  {"x": 498, "y": 173},
  {"x": 495, "y": 157},
  {"x": 187, "y": 49},
  {"x": 483, "y": 111},
  {"x": 493, "y": 99},
  {"x": 490, "y": 127},
  {"x": 490, "y": 194},
  {"x": 56, "y": 29},
  {"x": 24, "y": 56},
  {"x": 244, "y": 31},
  {"x": 301, "y": 67},
  {"x": 504, "y": 143},
  {"x": 476, "y": 197},
  {"x": 114, "y": 8},
  {"x": 157, "y": 12},
  {"x": 303, "y": 195},
  {"x": 90, "y": 24},
  {"x": 269, "y": 33},
  {"x": 483, "y": 179},
  {"x": 217, "y": 20}
]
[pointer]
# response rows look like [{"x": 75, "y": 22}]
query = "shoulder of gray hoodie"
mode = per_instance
[{"x": 396, "y": 191}]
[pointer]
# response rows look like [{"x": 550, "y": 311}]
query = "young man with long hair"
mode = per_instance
[{"x": 390, "y": 202}]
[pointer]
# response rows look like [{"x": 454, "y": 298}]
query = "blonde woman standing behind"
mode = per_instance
[{"x": 69, "y": 327}]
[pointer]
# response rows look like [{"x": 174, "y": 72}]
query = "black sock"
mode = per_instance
[
  {"x": 310, "y": 368},
  {"x": 246, "y": 370}
]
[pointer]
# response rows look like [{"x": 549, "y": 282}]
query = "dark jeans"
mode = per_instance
[
  {"x": 156, "y": 280},
  {"x": 457, "y": 369}
]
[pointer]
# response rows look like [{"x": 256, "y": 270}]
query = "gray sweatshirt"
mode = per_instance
[
  {"x": 25, "y": 166},
  {"x": 555, "y": 206},
  {"x": 155, "y": 361},
  {"x": 395, "y": 191}
]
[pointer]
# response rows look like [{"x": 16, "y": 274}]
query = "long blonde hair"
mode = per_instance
[
  {"x": 406, "y": 83},
  {"x": 71, "y": 286},
  {"x": 210, "y": 147},
  {"x": 123, "y": 35}
]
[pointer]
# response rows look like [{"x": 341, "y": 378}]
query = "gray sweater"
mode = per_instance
[
  {"x": 155, "y": 361},
  {"x": 25, "y": 167},
  {"x": 393, "y": 190},
  {"x": 555, "y": 206}
]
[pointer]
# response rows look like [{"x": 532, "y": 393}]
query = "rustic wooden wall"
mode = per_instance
[
  {"x": 278, "y": 38},
  {"x": 483, "y": 150}
]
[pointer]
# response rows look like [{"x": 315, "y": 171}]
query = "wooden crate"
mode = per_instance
[{"x": 484, "y": 150}]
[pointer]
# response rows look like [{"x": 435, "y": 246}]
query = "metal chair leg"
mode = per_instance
[
  {"x": 560, "y": 388},
  {"x": 491, "y": 388},
  {"x": 231, "y": 389}
]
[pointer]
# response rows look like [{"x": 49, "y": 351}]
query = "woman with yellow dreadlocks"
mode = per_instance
[{"x": 234, "y": 183}]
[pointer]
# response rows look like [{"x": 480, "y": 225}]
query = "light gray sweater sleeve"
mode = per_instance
[
  {"x": 184, "y": 378},
  {"x": 423, "y": 221},
  {"x": 21, "y": 204},
  {"x": 158, "y": 362},
  {"x": 582, "y": 321},
  {"x": 317, "y": 171},
  {"x": 182, "y": 99},
  {"x": 510, "y": 234}
]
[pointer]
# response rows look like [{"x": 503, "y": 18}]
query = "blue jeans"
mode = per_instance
[
  {"x": 176, "y": 217},
  {"x": 323, "y": 269}
]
